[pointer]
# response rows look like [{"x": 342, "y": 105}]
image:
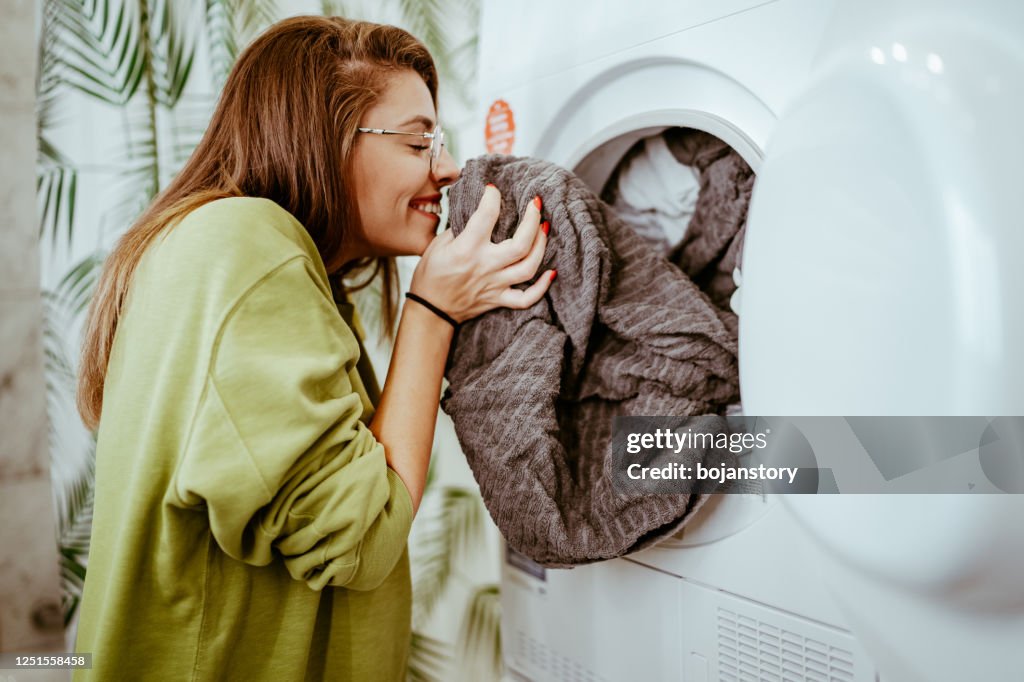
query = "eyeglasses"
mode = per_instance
[{"x": 436, "y": 140}]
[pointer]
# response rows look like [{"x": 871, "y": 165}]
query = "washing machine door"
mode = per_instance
[
  {"x": 881, "y": 278},
  {"x": 882, "y": 269}
]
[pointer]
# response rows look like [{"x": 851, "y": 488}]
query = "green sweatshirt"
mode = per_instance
[{"x": 246, "y": 524}]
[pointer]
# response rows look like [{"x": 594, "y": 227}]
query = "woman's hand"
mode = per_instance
[{"x": 468, "y": 275}]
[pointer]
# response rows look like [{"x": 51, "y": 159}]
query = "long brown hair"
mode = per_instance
[{"x": 284, "y": 129}]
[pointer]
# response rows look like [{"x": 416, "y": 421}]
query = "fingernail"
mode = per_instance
[
  {"x": 553, "y": 273},
  {"x": 491, "y": 184},
  {"x": 544, "y": 226},
  {"x": 536, "y": 201}
]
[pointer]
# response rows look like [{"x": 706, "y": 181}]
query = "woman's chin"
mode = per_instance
[
  {"x": 414, "y": 243},
  {"x": 416, "y": 248},
  {"x": 422, "y": 244}
]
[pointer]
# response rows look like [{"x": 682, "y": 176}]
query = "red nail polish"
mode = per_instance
[
  {"x": 536, "y": 202},
  {"x": 553, "y": 273},
  {"x": 545, "y": 226}
]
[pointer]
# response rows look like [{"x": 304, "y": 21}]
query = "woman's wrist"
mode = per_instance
[
  {"x": 412, "y": 296},
  {"x": 426, "y": 321}
]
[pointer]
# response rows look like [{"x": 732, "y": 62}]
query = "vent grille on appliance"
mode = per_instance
[
  {"x": 750, "y": 649},
  {"x": 541, "y": 658}
]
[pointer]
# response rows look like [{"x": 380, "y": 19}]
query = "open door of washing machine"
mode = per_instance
[{"x": 881, "y": 278}]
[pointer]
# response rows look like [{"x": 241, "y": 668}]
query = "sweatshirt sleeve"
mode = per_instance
[{"x": 278, "y": 454}]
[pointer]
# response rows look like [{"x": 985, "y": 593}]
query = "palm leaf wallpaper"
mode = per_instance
[{"x": 125, "y": 89}]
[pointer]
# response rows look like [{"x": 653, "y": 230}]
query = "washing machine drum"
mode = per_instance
[{"x": 687, "y": 193}]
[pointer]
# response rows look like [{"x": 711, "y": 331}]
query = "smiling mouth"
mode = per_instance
[{"x": 431, "y": 207}]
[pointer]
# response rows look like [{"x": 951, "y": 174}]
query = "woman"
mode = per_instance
[{"x": 252, "y": 503}]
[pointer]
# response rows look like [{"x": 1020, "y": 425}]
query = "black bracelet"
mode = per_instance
[{"x": 433, "y": 308}]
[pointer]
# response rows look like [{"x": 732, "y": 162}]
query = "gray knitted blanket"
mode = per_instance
[{"x": 533, "y": 392}]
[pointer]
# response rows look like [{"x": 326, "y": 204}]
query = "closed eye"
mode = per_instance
[{"x": 420, "y": 147}]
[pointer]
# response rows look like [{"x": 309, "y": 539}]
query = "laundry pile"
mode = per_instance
[
  {"x": 654, "y": 193},
  {"x": 533, "y": 392},
  {"x": 687, "y": 192},
  {"x": 711, "y": 248}
]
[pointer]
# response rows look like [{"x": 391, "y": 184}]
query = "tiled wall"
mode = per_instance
[{"x": 30, "y": 611}]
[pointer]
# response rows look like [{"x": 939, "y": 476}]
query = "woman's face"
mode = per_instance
[{"x": 395, "y": 189}]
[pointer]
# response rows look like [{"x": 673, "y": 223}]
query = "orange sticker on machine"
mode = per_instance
[{"x": 500, "y": 130}]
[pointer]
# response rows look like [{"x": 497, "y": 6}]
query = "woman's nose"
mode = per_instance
[{"x": 446, "y": 171}]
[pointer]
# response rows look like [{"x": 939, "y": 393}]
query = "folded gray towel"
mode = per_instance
[{"x": 533, "y": 392}]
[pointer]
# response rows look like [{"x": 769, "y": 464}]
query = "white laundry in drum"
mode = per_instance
[{"x": 654, "y": 193}]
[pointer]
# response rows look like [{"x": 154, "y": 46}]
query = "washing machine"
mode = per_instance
[{"x": 877, "y": 279}]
